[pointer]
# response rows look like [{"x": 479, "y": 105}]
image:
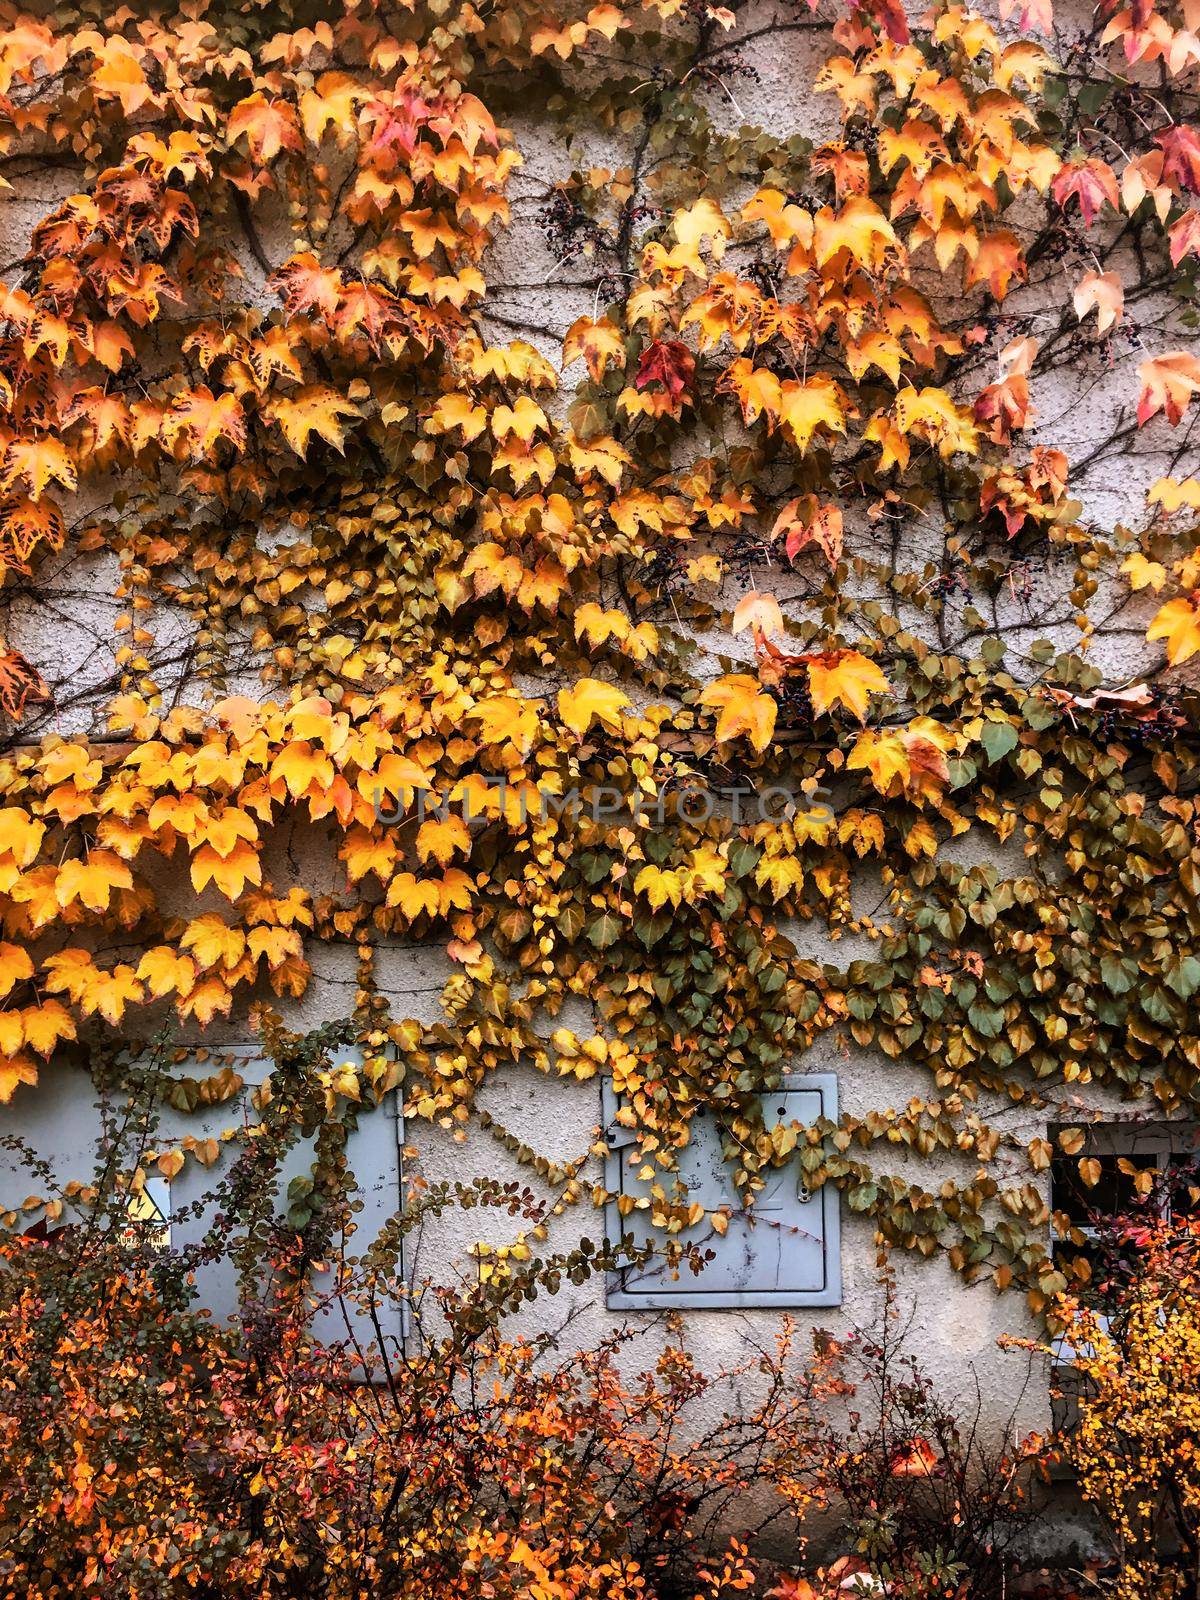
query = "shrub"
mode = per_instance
[
  {"x": 149, "y": 1453},
  {"x": 1136, "y": 1445}
]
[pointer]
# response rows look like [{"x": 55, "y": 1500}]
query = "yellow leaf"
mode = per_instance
[
  {"x": 165, "y": 971},
  {"x": 1178, "y": 622},
  {"x": 43, "y": 1026},
  {"x": 212, "y": 942},
  {"x": 816, "y": 403},
  {"x": 14, "y": 966},
  {"x": 704, "y": 220},
  {"x": 760, "y": 612},
  {"x": 440, "y": 839},
  {"x": 743, "y": 707},
  {"x": 230, "y": 873},
  {"x": 1171, "y": 493},
  {"x": 1143, "y": 573},
  {"x": 844, "y": 677},
  {"x": 92, "y": 880},
  {"x": 318, "y": 409},
  {"x": 658, "y": 886},
  {"x": 591, "y": 698}
]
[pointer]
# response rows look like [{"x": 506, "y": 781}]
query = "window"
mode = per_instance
[
  {"x": 64, "y": 1124},
  {"x": 784, "y": 1251},
  {"x": 373, "y": 1157},
  {"x": 1136, "y": 1166}
]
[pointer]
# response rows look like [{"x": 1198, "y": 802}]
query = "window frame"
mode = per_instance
[
  {"x": 689, "y": 1297},
  {"x": 1162, "y": 1140}
]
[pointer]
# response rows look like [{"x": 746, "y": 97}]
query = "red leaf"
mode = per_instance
[
  {"x": 668, "y": 362},
  {"x": 1181, "y": 156}
]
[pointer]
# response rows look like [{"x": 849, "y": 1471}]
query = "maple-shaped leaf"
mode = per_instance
[
  {"x": 213, "y": 943},
  {"x": 597, "y": 343},
  {"x": 742, "y": 708},
  {"x": 457, "y": 410},
  {"x": 24, "y": 525},
  {"x": 368, "y": 309},
  {"x": 1103, "y": 293},
  {"x": 198, "y": 421},
  {"x": 35, "y": 462},
  {"x": 439, "y": 839},
  {"x": 1171, "y": 494},
  {"x": 1006, "y": 406},
  {"x": 165, "y": 971},
  {"x": 1178, "y": 622},
  {"x": 44, "y": 1027},
  {"x": 1168, "y": 384},
  {"x": 14, "y": 1071},
  {"x": 1091, "y": 182},
  {"x": 208, "y": 997},
  {"x": 668, "y": 362},
  {"x": 806, "y": 521},
  {"x": 591, "y": 699},
  {"x": 91, "y": 880},
  {"x": 1143, "y": 573},
  {"x": 1180, "y": 146},
  {"x": 844, "y": 677},
  {"x": 268, "y": 126},
  {"x": 816, "y": 402},
  {"x": 304, "y": 284},
  {"x": 332, "y": 102},
  {"x": 118, "y": 75},
  {"x": 915, "y": 757},
  {"x": 19, "y": 684},
  {"x": 1184, "y": 237},
  {"x": 758, "y": 611},
  {"x": 1034, "y": 13},
  {"x": 15, "y": 966},
  {"x": 933, "y": 415},
  {"x": 859, "y": 228},
  {"x": 701, "y": 221},
  {"x": 317, "y": 408},
  {"x": 230, "y": 872}
]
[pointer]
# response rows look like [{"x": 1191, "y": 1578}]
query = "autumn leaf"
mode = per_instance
[
  {"x": 915, "y": 1458},
  {"x": 317, "y": 409},
  {"x": 742, "y": 708},
  {"x": 859, "y": 228},
  {"x": 817, "y": 402},
  {"x": 15, "y": 966},
  {"x": 1171, "y": 494},
  {"x": 844, "y": 677},
  {"x": 19, "y": 684},
  {"x": 588, "y": 700},
  {"x": 1091, "y": 183},
  {"x": 1168, "y": 384},
  {"x": 35, "y": 463},
  {"x": 596, "y": 343},
  {"x": 1178, "y": 622},
  {"x": 1180, "y": 146},
  {"x": 1103, "y": 293},
  {"x": 1143, "y": 573},
  {"x": 806, "y": 521},
  {"x": 700, "y": 222},
  {"x": 758, "y": 611},
  {"x": 668, "y": 362},
  {"x": 268, "y": 126}
]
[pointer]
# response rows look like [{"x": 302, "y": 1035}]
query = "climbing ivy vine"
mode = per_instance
[{"x": 520, "y": 623}]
